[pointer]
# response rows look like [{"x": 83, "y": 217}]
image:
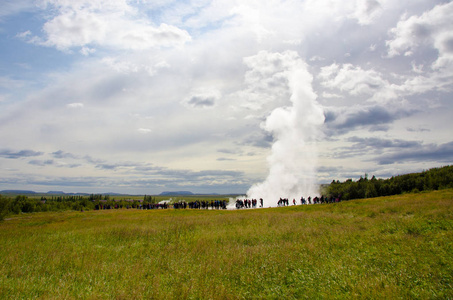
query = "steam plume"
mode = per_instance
[{"x": 295, "y": 129}]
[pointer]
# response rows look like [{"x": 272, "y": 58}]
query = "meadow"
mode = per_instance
[{"x": 377, "y": 248}]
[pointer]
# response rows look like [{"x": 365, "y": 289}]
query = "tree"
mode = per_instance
[
  {"x": 4, "y": 207},
  {"x": 432, "y": 179}
]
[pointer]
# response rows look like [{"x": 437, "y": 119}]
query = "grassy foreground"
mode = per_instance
[{"x": 390, "y": 247}]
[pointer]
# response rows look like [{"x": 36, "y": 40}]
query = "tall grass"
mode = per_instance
[{"x": 390, "y": 247}]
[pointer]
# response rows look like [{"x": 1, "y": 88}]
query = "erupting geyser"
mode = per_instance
[{"x": 295, "y": 129}]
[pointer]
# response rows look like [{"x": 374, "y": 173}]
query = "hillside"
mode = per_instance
[{"x": 428, "y": 180}]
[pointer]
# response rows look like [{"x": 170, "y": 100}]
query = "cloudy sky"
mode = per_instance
[{"x": 146, "y": 96}]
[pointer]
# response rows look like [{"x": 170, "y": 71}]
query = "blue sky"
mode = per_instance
[{"x": 219, "y": 96}]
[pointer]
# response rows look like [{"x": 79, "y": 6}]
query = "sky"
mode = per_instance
[{"x": 221, "y": 96}]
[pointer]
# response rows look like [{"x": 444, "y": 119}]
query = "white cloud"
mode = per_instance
[
  {"x": 123, "y": 66},
  {"x": 375, "y": 86},
  {"x": 127, "y": 64},
  {"x": 293, "y": 42},
  {"x": 87, "y": 51},
  {"x": 204, "y": 13},
  {"x": 75, "y": 29},
  {"x": 168, "y": 83},
  {"x": 75, "y": 105},
  {"x": 366, "y": 11},
  {"x": 328, "y": 72},
  {"x": 417, "y": 68},
  {"x": 24, "y": 35},
  {"x": 436, "y": 81},
  {"x": 116, "y": 24},
  {"x": 353, "y": 80},
  {"x": 432, "y": 28},
  {"x": 144, "y": 130},
  {"x": 317, "y": 58},
  {"x": 265, "y": 64},
  {"x": 330, "y": 95},
  {"x": 266, "y": 81},
  {"x": 162, "y": 65}
]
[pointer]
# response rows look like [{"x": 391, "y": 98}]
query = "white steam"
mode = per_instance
[{"x": 295, "y": 129}]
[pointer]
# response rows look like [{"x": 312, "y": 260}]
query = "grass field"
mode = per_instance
[{"x": 381, "y": 248}]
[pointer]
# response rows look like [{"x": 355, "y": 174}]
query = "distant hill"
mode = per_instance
[
  {"x": 21, "y": 192},
  {"x": 112, "y": 194},
  {"x": 26, "y": 192},
  {"x": 166, "y": 193},
  {"x": 178, "y": 193}
]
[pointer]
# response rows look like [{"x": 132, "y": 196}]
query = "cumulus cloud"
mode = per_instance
[
  {"x": 432, "y": 28},
  {"x": 173, "y": 82},
  {"x": 366, "y": 11},
  {"x": 271, "y": 66},
  {"x": 375, "y": 86},
  {"x": 434, "y": 81},
  {"x": 354, "y": 80},
  {"x": 87, "y": 51},
  {"x": 84, "y": 24},
  {"x": 266, "y": 81}
]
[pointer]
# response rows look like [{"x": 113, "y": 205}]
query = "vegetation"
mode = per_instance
[
  {"x": 380, "y": 248},
  {"x": 28, "y": 204},
  {"x": 433, "y": 179}
]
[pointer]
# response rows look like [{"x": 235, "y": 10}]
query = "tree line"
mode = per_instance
[
  {"x": 432, "y": 179},
  {"x": 23, "y": 204}
]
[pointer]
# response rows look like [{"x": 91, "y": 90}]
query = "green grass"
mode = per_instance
[{"x": 382, "y": 248}]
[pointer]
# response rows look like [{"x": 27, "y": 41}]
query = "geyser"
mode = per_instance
[{"x": 295, "y": 130}]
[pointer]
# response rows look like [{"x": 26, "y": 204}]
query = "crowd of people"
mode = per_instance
[
  {"x": 247, "y": 203},
  {"x": 213, "y": 204},
  {"x": 222, "y": 204},
  {"x": 252, "y": 203},
  {"x": 140, "y": 206}
]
